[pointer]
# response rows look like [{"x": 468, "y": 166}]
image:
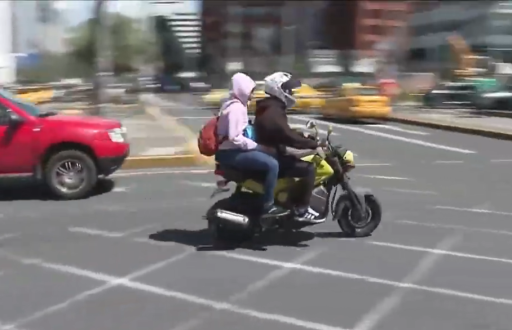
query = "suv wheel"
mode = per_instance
[{"x": 70, "y": 174}]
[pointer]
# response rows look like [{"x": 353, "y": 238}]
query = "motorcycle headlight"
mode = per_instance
[{"x": 117, "y": 134}]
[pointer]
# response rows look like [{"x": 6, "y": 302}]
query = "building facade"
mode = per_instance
[
  {"x": 485, "y": 26},
  {"x": 187, "y": 27}
]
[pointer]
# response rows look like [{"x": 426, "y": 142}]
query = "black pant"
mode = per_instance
[{"x": 291, "y": 166}]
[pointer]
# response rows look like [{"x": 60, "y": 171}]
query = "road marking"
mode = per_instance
[
  {"x": 448, "y": 162},
  {"x": 501, "y": 160},
  {"x": 6, "y": 236},
  {"x": 383, "y": 177},
  {"x": 252, "y": 288},
  {"x": 200, "y": 184},
  {"x": 376, "y": 280},
  {"x": 391, "y": 302},
  {"x": 452, "y": 208},
  {"x": 443, "y": 226},
  {"x": 153, "y": 242},
  {"x": 440, "y": 251},
  {"x": 408, "y": 191},
  {"x": 111, "y": 282},
  {"x": 395, "y": 137},
  {"x": 128, "y": 283},
  {"x": 104, "y": 233},
  {"x": 399, "y": 129}
]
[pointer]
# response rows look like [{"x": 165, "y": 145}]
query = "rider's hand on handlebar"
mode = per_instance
[{"x": 322, "y": 143}]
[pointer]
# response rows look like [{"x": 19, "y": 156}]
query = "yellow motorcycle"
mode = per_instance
[{"x": 236, "y": 218}]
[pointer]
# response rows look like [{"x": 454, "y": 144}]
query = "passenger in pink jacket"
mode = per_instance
[{"x": 239, "y": 151}]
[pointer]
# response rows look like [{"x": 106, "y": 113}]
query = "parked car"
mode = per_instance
[
  {"x": 500, "y": 99},
  {"x": 460, "y": 94},
  {"x": 66, "y": 153}
]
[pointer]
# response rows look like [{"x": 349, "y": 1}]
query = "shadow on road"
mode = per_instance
[
  {"x": 18, "y": 189},
  {"x": 203, "y": 241}
]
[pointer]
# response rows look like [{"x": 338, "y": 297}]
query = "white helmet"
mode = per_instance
[{"x": 281, "y": 85}]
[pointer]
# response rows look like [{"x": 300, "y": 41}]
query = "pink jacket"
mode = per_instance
[{"x": 233, "y": 118}]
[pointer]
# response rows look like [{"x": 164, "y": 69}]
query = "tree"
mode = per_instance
[{"x": 130, "y": 44}]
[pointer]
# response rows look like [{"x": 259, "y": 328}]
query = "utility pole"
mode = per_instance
[{"x": 103, "y": 55}]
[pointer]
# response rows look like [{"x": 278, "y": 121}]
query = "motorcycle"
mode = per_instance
[{"x": 237, "y": 217}]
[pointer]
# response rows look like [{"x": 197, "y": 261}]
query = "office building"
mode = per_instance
[{"x": 485, "y": 26}]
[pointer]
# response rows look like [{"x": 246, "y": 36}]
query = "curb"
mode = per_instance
[
  {"x": 142, "y": 162},
  {"x": 450, "y": 127}
]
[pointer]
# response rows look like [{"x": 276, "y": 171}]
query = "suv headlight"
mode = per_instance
[{"x": 117, "y": 134}]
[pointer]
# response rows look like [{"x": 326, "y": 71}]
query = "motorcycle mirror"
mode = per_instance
[
  {"x": 310, "y": 124},
  {"x": 329, "y": 131}
]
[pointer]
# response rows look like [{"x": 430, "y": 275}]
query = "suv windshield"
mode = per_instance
[{"x": 22, "y": 104}]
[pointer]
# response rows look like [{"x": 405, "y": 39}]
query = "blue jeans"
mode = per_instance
[{"x": 253, "y": 160}]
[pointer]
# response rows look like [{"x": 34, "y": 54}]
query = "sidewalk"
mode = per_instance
[{"x": 458, "y": 120}]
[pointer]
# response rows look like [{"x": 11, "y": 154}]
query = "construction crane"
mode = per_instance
[{"x": 469, "y": 64}]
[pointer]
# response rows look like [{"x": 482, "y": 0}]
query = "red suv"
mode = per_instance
[{"x": 67, "y": 153}]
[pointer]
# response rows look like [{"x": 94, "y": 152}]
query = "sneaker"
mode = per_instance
[
  {"x": 308, "y": 215},
  {"x": 274, "y": 212}
]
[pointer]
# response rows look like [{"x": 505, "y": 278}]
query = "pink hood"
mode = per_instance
[{"x": 241, "y": 87}]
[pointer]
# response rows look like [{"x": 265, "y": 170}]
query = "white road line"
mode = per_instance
[
  {"x": 153, "y": 242},
  {"x": 452, "y": 208},
  {"x": 441, "y": 251},
  {"x": 394, "y": 137},
  {"x": 501, "y": 160},
  {"x": 391, "y": 302},
  {"x": 111, "y": 282},
  {"x": 408, "y": 191},
  {"x": 104, "y": 233},
  {"x": 448, "y": 162},
  {"x": 218, "y": 305},
  {"x": 6, "y": 236},
  {"x": 200, "y": 184},
  {"x": 457, "y": 227},
  {"x": 359, "y": 165},
  {"x": 252, "y": 288},
  {"x": 383, "y": 177},
  {"x": 399, "y": 129},
  {"x": 376, "y": 280}
]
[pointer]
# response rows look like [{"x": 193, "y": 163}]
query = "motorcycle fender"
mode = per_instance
[{"x": 344, "y": 198}]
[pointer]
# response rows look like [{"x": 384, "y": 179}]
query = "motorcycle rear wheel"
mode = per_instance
[
  {"x": 359, "y": 227},
  {"x": 223, "y": 233}
]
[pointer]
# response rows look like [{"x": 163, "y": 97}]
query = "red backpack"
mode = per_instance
[{"x": 208, "y": 142}]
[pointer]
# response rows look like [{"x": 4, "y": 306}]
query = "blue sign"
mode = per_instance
[{"x": 28, "y": 60}]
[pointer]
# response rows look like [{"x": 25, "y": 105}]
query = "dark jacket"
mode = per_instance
[{"x": 272, "y": 129}]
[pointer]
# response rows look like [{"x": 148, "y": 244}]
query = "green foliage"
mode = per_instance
[{"x": 131, "y": 44}]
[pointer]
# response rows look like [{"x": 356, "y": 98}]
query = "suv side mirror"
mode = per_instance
[{"x": 14, "y": 118}]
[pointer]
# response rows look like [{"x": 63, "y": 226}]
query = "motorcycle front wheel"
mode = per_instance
[{"x": 357, "y": 226}]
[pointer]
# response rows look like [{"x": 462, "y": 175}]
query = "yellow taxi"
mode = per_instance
[
  {"x": 357, "y": 101},
  {"x": 215, "y": 97},
  {"x": 307, "y": 97}
]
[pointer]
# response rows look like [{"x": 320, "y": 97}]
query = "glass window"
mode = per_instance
[
  {"x": 4, "y": 119},
  {"x": 22, "y": 104}
]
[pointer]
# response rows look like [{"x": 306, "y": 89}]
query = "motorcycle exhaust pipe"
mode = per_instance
[{"x": 232, "y": 218}]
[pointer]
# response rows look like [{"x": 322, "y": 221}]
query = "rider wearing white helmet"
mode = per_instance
[{"x": 273, "y": 131}]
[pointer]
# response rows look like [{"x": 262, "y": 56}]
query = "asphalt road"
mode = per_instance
[{"x": 128, "y": 259}]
